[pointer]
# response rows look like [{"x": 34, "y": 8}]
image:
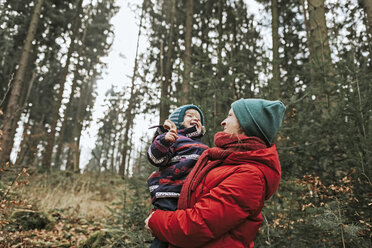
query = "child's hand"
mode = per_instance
[
  {"x": 170, "y": 126},
  {"x": 170, "y": 136}
]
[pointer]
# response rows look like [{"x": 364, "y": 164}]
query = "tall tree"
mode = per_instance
[
  {"x": 367, "y": 6},
  {"x": 275, "y": 49},
  {"x": 13, "y": 106},
  {"x": 323, "y": 78},
  {"x": 219, "y": 76},
  {"x": 188, "y": 52},
  {"x": 83, "y": 103},
  {"x": 129, "y": 114},
  {"x": 165, "y": 87},
  {"x": 51, "y": 135}
]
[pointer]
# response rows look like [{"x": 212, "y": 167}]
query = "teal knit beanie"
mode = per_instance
[
  {"x": 179, "y": 113},
  {"x": 258, "y": 117}
]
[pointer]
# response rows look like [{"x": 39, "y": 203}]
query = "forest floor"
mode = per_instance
[
  {"x": 78, "y": 207},
  {"x": 89, "y": 210}
]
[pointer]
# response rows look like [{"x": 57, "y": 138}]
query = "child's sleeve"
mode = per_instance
[{"x": 160, "y": 151}]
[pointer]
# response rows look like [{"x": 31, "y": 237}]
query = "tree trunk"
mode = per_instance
[
  {"x": 367, "y": 6},
  {"x": 66, "y": 114},
  {"x": 129, "y": 116},
  {"x": 115, "y": 143},
  {"x": 76, "y": 152},
  {"x": 10, "y": 118},
  {"x": 69, "y": 164},
  {"x": 164, "y": 100},
  {"x": 128, "y": 125},
  {"x": 22, "y": 102},
  {"x": 187, "y": 61},
  {"x": 323, "y": 78},
  {"x": 23, "y": 146},
  {"x": 79, "y": 117},
  {"x": 276, "y": 42},
  {"x": 26, "y": 126},
  {"x": 51, "y": 136},
  {"x": 218, "y": 99},
  {"x": 36, "y": 133}
]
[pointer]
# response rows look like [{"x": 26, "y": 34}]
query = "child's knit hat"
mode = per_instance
[
  {"x": 258, "y": 117},
  {"x": 178, "y": 115}
]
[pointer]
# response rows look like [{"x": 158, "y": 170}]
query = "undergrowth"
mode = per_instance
[{"x": 88, "y": 210}]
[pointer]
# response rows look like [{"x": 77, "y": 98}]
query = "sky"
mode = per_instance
[{"x": 120, "y": 63}]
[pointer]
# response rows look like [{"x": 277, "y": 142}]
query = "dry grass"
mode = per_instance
[{"x": 78, "y": 195}]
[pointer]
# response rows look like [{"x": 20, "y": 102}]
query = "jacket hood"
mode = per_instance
[{"x": 266, "y": 160}]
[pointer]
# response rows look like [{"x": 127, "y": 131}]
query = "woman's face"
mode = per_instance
[
  {"x": 192, "y": 118},
  {"x": 231, "y": 124}
]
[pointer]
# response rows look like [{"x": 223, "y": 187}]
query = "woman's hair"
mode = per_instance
[{"x": 240, "y": 131}]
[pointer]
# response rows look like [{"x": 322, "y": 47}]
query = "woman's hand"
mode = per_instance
[
  {"x": 170, "y": 136},
  {"x": 147, "y": 222}
]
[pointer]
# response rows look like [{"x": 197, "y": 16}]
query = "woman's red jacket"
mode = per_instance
[{"x": 226, "y": 206}]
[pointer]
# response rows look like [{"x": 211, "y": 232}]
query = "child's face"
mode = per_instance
[{"x": 192, "y": 118}]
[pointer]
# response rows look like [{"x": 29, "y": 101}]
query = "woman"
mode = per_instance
[{"x": 222, "y": 199}]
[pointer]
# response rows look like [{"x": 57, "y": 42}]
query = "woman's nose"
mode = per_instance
[{"x": 223, "y": 123}]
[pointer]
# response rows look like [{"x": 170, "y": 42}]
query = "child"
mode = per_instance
[{"x": 175, "y": 151}]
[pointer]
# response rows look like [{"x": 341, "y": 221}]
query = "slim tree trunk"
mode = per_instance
[
  {"x": 79, "y": 117},
  {"x": 36, "y": 133},
  {"x": 128, "y": 125},
  {"x": 120, "y": 148},
  {"x": 69, "y": 164},
  {"x": 23, "y": 146},
  {"x": 76, "y": 149},
  {"x": 10, "y": 118},
  {"x": 24, "y": 100},
  {"x": 218, "y": 99},
  {"x": 321, "y": 58},
  {"x": 164, "y": 101},
  {"x": 187, "y": 61},
  {"x": 129, "y": 115},
  {"x": 51, "y": 136},
  {"x": 276, "y": 42},
  {"x": 115, "y": 143},
  {"x": 367, "y": 6}
]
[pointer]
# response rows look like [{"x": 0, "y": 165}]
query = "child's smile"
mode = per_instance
[{"x": 192, "y": 118}]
